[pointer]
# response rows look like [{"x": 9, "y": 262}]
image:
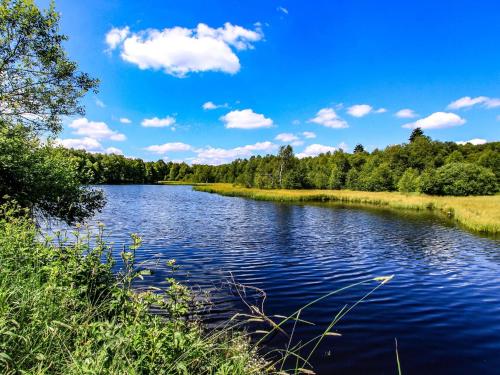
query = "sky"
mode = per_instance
[{"x": 211, "y": 81}]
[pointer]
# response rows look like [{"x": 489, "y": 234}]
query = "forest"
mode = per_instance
[{"x": 421, "y": 165}]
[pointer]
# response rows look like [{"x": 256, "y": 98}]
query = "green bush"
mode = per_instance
[
  {"x": 461, "y": 179},
  {"x": 409, "y": 181}
]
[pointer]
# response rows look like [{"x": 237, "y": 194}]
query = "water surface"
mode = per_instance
[{"x": 443, "y": 305}]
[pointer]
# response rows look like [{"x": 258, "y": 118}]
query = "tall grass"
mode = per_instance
[{"x": 477, "y": 213}]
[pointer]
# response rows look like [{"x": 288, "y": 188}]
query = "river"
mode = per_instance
[{"x": 443, "y": 304}]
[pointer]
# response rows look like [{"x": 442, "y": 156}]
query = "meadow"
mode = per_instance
[{"x": 476, "y": 213}]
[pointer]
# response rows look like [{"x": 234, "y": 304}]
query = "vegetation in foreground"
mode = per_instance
[
  {"x": 63, "y": 311},
  {"x": 478, "y": 213}
]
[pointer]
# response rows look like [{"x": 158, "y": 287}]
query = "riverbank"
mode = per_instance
[
  {"x": 64, "y": 311},
  {"x": 477, "y": 213}
]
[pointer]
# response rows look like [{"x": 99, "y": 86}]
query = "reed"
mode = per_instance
[{"x": 476, "y": 213}]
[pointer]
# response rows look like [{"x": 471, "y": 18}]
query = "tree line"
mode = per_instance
[{"x": 420, "y": 165}]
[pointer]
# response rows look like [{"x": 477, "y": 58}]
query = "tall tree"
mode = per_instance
[
  {"x": 285, "y": 157},
  {"x": 38, "y": 83},
  {"x": 417, "y": 132}
]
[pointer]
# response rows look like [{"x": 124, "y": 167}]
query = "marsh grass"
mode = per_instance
[
  {"x": 63, "y": 310},
  {"x": 477, "y": 213}
]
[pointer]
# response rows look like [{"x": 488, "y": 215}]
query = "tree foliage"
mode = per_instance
[
  {"x": 38, "y": 83},
  {"x": 423, "y": 165}
]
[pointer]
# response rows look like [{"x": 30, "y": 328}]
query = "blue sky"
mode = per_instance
[{"x": 319, "y": 75}]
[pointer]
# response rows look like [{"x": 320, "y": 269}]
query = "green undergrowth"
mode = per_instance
[{"x": 63, "y": 311}]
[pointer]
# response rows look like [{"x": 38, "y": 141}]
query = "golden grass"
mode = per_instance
[{"x": 477, "y": 213}]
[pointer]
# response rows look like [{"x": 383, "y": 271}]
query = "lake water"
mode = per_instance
[{"x": 443, "y": 305}]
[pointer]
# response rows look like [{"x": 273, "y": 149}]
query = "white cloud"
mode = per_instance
[
  {"x": 85, "y": 143},
  {"x": 169, "y": 147},
  {"x": 467, "y": 102},
  {"x": 211, "y": 105},
  {"x": 125, "y": 120},
  {"x": 406, "y": 113},
  {"x": 215, "y": 156},
  {"x": 314, "y": 150},
  {"x": 286, "y": 137},
  {"x": 343, "y": 146},
  {"x": 156, "y": 122},
  {"x": 115, "y": 36},
  {"x": 113, "y": 150},
  {"x": 359, "y": 110},
  {"x": 290, "y": 139},
  {"x": 296, "y": 122},
  {"x": 437, "y": 120},
  {"x": 329, "y": 118},
  {"x": 309, "y": 135},
  {"x": 99, "y": 103},
  {"x": 282, "y": 10},
  {"x": 474, "y": 141},
  {"x": 179, "y": 51},
  {"x": 96, "y": 130},
  {"x": 246, "y": 119}
]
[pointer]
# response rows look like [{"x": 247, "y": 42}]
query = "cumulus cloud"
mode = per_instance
[
  {"x": 95, "y": 130},
  {"x": 246, "y": 119},
  {"x": 179, "y": 51},
  {"x": 156, "y": 122},
  {"x": 289, "y": 138},
  {"x": 329, "y": 118},
  {"x": 309, "y": 135},
  {"x": 169, "y": 147},
  {"x": 216, "y": 156},
  {"x": 125, "y": 120},
  {"x": 211, "y": 105},
  {"x": 406, "y": 113},
  {"x": 437, "y": 120},
  {"x": 361, "y": 110},
  {"x": 115, "y": 36},
  {"x": 467, "y": 102},
  {"x": 85, "y": 143},
  {"x": 113, "y": 150},
  {"x": 474, "y": 141},
  {"x": 88, "y": 144},
  {"x": 314, "y": 150}
]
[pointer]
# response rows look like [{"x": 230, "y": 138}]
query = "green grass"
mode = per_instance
[
  {"x": 63, "y": 311},
  {"x": 181, "y": 183},
  {"x": 477, "y": 213}
]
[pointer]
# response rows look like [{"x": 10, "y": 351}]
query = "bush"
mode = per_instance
[
  {"x": 461, "y": 179},
  {"x": 409, "y": 181}
]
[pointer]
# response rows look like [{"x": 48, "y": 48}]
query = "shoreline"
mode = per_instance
[{"x": 476, "y": 213}]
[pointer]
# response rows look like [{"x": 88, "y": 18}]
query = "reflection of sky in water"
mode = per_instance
[{"x": 443, "y": 304}]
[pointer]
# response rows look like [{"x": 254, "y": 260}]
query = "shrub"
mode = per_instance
[
  {"x": 461, "y": 179},
  {"x": 408, "y": 181}
]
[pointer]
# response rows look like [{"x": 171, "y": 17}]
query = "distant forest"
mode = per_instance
[{"x": 421, "y": 165}]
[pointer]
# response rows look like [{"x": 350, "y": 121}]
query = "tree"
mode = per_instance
[
  {"x": 43, "y": 178},
  {"x": 38, "y": 83},
  {"x": 408, "y": 181},
  {"x": 464, "y": 179},
  {"x": 417, "y": 132},
  {"x": 359, "y": 149},
  {"x": 285, "y": 157}
]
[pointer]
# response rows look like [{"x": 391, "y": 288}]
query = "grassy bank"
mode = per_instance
[
  {"x": 63, "y": 311},
  {"x": 481, "y": 213}
]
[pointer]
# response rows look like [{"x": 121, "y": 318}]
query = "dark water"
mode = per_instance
[{"x": 443, "y": 305}]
